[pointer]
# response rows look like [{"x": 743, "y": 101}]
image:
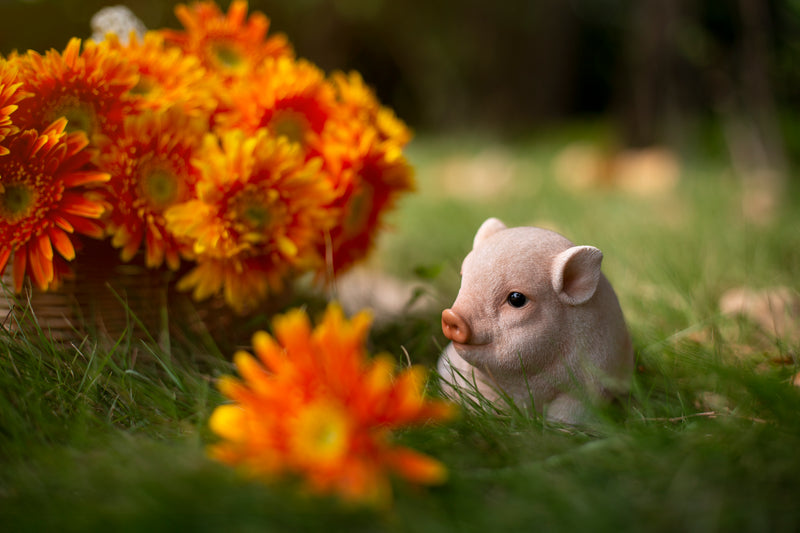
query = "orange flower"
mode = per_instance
[
  {"x": 151, "y": 171},
  {"x": 260, "y": 213},
  {"x": 361, "y": 105},
  {"x": 373, "y": 176},
  {"x": 43, "y": 201},
  {"x": 363, "y": 154},
  {"x": 291, "y": 98},
  {"x": 341, "y": 121},
  {"x": 87, "y": 87},
  {"x": 226, "y": 43},
  {"x": 316, "y": 406},
  {"x": 167, "y": 76},
  {"x": 10, "y": 96}
]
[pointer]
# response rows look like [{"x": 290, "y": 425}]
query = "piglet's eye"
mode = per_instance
[{"x": 517, "y": 299}]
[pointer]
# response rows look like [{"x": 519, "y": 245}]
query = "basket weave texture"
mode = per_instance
[{"x": 103, "y": 296}]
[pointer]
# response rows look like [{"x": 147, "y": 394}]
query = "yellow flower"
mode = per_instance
[
  {"x": 150, "y": 165},
  {"x": 260, "y": 212},
  {"x": 314, "y": 405}
]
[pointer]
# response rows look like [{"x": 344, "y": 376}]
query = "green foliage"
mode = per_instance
[{"x": 99, "y": 436}]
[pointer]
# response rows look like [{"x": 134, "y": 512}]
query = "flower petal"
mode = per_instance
[
  {"x": 4, "y": 256},
  {"x": 62, "y": 243},
  {"x": 20, "y": 263},
  {"x": 45, "y": 246},
  {"x": 229, "y": 422},
  {"x": 416, "y": 467}
]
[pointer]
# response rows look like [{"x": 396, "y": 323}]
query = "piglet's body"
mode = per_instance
[{"x": 535, "y": 320}]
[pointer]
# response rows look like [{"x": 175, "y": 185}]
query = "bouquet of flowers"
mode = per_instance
[{"x": 210, "y": 150}]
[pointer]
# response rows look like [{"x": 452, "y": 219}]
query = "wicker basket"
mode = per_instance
[
  {"x": 107, "y": 298},
  {"x": 104, "y": 297},
  {"x": 53, "y": 312}
]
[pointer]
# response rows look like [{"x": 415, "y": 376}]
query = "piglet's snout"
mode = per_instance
[{"x": 455, "y": 328}]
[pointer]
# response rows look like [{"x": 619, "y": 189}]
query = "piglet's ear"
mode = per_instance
[
  {"x": 576, "y": 273},
  {"x": 487, "y": 229}
]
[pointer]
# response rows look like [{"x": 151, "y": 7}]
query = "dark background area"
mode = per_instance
[{"x": 672, "y": 72}]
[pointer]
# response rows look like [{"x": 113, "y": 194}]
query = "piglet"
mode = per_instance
[{"x": 535, "y": 322}]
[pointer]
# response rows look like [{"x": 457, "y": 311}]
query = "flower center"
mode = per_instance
[
  {"x": 160, "y": 188},
  {"x": 144, "y": 86},
  {"x": 80, "y": 117},
  {"x": 321, "y": 434},
  {"x": 254, "y": 211},
  {"x": 227, "y": 55},
  {"x": 16, "y": 201},
  {"x": 256, "y": 216},
  {"x": 290, "y": 124}
]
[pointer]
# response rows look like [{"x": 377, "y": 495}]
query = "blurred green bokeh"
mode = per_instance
[{"x": 660, "y": 70}]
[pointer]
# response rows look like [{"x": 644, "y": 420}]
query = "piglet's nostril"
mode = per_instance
[{"x": 455, "y": 328}]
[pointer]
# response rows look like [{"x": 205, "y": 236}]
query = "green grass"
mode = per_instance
[{"x": 111, "y": 435}]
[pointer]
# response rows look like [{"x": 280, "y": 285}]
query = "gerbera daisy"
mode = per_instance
[
  {"x": 314, "y": 405},
  {"x": 231, "y": 44},
  {"x": 43, "y": 201},
  {"x": 150, "y": 166},
  {"x": 360, "y": 104},
  {"x": 167, "y": 76},
  {"x": 370, "y": 173},
  {"x": 260, "y": 213},
  {"x": 362, "y": 147},
  {"x": 86, "y": 86},
  {"x": 10, "y": 95},
  {"x": 291, "y": 98}
]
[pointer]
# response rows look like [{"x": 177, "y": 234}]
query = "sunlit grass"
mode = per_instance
[{"x": 110, "y": 434}]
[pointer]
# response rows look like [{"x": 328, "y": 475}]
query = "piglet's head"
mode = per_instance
[{"x": 522, "y": 289}]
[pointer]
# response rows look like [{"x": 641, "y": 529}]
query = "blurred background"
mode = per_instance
[{"x": 689, "y": 74}]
